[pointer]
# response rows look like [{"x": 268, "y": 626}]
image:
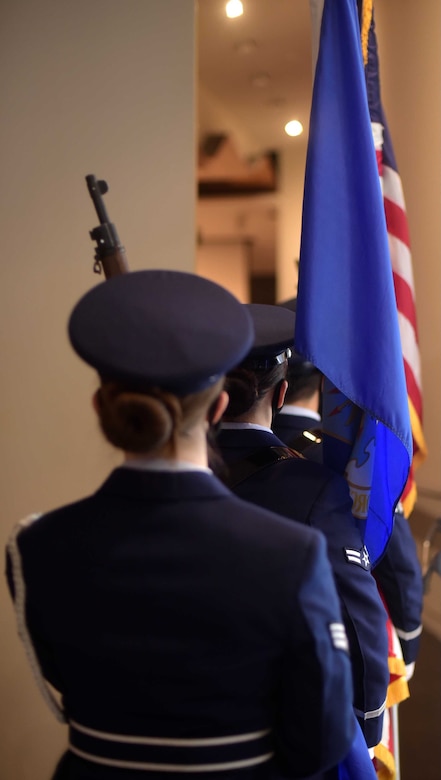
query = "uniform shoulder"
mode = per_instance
[
  {"x": 38, "y": 524},
  {"x": 262, "y": 525},
  {"x": 269, "y": 547},
  {"x": 312, "y": 469}
]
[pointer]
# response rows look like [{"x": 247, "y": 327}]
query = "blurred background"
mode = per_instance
[{"x": 182, "y": 110}]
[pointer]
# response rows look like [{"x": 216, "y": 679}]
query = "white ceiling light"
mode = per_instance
[
  {"x": 233, "y": 9},
  {"x": 294, "y": 127}
]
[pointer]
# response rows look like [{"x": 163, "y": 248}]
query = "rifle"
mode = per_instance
[{"x": 110, "y": 255}]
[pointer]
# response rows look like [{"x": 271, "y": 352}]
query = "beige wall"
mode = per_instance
[
  {"x": 226, "y": 265},
  {"x": 292, "y": 170},
  {"x": 104, "y": 87},
  {"x": 409, "y": 36}
]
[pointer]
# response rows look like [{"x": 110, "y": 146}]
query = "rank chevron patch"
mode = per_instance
[
  {"x": 359, "y": 557},
  {"x": 338, "y": 636}
]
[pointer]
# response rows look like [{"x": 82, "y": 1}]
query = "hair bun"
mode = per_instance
[{"x": 137, "y": 422}]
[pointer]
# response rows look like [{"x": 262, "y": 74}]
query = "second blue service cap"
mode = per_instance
[{"x": 273, "y": 334}]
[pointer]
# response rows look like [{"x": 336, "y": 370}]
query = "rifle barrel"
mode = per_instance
[{"x": 95, "y": 192}]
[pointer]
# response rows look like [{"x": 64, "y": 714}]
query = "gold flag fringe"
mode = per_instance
[{"x": 366, "y": 19}]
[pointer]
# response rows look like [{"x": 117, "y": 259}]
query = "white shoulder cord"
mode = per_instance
[{"x": 20, "y": 606}]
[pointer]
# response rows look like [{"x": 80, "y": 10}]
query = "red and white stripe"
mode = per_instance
[
  {"x": 399, "y": 245},
  {"x": 401, "y": 260}
]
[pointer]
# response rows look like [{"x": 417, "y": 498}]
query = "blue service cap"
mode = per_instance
[
  {"x": 273, "y": 334},
  {"x": 170, "y": 329},
  {"x": 289, "y": 303},
  {"x": 297, "y": 364}
]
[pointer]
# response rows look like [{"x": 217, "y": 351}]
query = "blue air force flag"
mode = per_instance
[{"x": 346, "y": 310}]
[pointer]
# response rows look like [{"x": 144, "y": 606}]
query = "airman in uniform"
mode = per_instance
[{"x": 189, "y": 633}]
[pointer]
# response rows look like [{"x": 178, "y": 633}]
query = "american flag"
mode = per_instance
[
  {"x": 399, "y": 246},
  {"x": 387, "y": 753}
]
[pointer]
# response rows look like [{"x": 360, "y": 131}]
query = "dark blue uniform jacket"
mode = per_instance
[
  {"x": 289, "y": 428},
  {"x": 400, "y": 580},
  {"x": 314, "y": 495},
  {"x": 398, "y": 574},
  {"x": 167, "y": 610}
]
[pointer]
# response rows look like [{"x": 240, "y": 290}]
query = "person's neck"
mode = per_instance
[
  {"x": 311, "y": 403},
  {"x": 193, "y": 448},
  {"x": 259, "y": 414},
  {"x": 190, "y": 448}
]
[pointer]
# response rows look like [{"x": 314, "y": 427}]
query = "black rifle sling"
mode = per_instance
[{"x": 260, "y": 459}]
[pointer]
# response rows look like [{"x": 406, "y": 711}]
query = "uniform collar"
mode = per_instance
[
  {"x": 163, "y": 486},
  {"x": 300, "y": 411},
  {"x": 163, "y": 464},
  {"x": 243, "y": 426}
]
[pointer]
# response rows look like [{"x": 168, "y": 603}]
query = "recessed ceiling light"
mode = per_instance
[
  {"x": 233, "y": 9},
  {"x": 245, "y": 47},
  {"x": 294, "y": 127},
  {"x": 260, "y": 80}
]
